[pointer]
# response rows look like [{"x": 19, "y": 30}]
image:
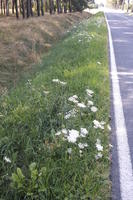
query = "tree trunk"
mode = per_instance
[
  {"x": 65, "y": 6},
  {"x": 7, "y": 7},
  {"x": 38, "y": 7},
  {"x": 23, "y": 9},
  {"x": 50, "y": 7},
  {"x": 16, "y": 8},
  {"x": 4, "y": 8},
  {"x": 58, "y": 7},
  {"x": 1, "y": 5},
  {"x": 70, "y": 6},
  {"x": 28, "y": 8},
  {"x": 31, "y": 11},
  {"x": 128, "y": 5},
  {"x": 42, "y": 7},
  {"x": 12, "y": 6},
  {"x": 46, "y": 6}
]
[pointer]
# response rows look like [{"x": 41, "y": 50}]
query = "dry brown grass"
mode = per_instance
[{"x": 22, "y": 42}]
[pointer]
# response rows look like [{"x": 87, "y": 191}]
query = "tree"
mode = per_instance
[
  {"x": 42, "y": 7},
  {"x": 16, "y": 8},
  {"x": 79, "y": 5}
]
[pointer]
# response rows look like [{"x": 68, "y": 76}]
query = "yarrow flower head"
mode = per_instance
[
  {"x": 63, "y": 131},
  {"x": 45, "y": 92},
  {"x": 89, "y": 92},
  {"x": 58, "y": 81},
  {"x": 82, "y": 145},
  {"x": 73, "y": 136},
  {"x": 98, "y": 124},
  {"x": 83, "y": 132},
  {"x": 71, "y": 113},
  {"x": 69, "y": 150},
  {"x": 98, "y": 145},
  {"x": 109, "y": 127},
  {"x": 94, "y": 109},
  {"x": 99, "y": 155},
  {"x": 7, "y": 159},
  {"x": 81, "y": 105},
  {"x": 99, "y": 63},
  {"x": 73, "y": 99},
  {"x": 90, "y": 103}
]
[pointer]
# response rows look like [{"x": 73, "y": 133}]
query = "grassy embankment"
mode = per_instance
[
  {"x": 49, "y": 146},
  {"x": 22, "y": 42}
]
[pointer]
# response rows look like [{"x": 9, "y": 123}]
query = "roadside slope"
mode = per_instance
[
  {"x": 54, "y": 128},
  {"x": 22, "y": 42}
]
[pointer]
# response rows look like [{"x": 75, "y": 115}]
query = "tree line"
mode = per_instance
[
  {"x": 123, "y": 4},
  {"x": 30, "y": 8}
]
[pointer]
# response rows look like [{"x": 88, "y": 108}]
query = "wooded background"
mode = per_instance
[{"x": 27, "y": 8}]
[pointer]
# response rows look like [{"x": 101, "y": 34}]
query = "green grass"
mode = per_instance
[{"x": 41, "y": 167}]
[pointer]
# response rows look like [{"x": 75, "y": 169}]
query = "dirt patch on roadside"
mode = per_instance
[{"x": 22, "y": 42}]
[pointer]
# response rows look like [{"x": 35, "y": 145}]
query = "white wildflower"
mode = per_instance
[
  {"x": 99, "y": 155},
  {"x": 64, "y": 131},
  {"x": 98, "y": 124},
  {"x": 82, "y": 145},
  {"x": 83, "y": 132},
  {"x": 98, "y": 145},
  {"x": 110, "y": 145},
  {"x": 94, "y": 109},
  {"x": 80, "y": 151},
  {"x": 81, "y": 105},
  {"x": 73, "y": 136},
  {"x": 109, "y": 127},
  {"x": 55, "y": 80},
  {"x": 102, "y": 123},
  {"x": 58, "y": 133},
  {"x": 71, "y": 113},
  {"x": 80, "y": 40},
  {"x": 63, "y": 83},
  {"x": 69, "y": 150},
  {"x": 99, "y": 63},
  {"x": 90, "y": 103},
  {"x": 73, "y": 99},
  {"x": 89, "y": 92},
  {"x": 45, "y": 92},
  {"x": 7, "y": 159},
  {"x": 75, "y": 96},
  {"x": 58, "y": 81}
]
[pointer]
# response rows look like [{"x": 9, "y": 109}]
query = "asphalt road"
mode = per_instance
[{"x": 121, "y": 27}]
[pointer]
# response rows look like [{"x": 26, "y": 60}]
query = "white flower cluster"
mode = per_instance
[
  {"x": 58, "y": 81},
  {"x": 98, "y": 124},
  {"x": 99, "y": 149},
  {"x": 6, "y": 159},
  {"x": 71, "y": 113},
  {"x": 72, "y": 136},
  {"x": 82, "y": 105}
]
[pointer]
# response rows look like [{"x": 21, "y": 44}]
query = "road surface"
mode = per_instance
[{"x": 120, "y": 27}]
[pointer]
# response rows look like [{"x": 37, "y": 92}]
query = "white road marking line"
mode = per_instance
[
  {"x": 124, "y": 157},
  {"x": 124, "y": 73}
]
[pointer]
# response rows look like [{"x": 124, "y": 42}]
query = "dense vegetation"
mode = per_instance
[
  {"x": 28, "y": 8},
  {"x": 54, "y": 127}
]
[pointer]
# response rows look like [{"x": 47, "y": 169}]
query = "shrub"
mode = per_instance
[{"x": 79, "y": 5}]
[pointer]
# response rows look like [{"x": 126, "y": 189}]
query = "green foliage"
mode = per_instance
[
  {"x": 34, "y": 162},
  {"x": 79, "y": 5},
  {"x": 29, "y": 186}
]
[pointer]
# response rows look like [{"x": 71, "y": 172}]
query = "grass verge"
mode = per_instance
[{"x": 51, "y": 146}]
